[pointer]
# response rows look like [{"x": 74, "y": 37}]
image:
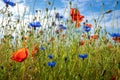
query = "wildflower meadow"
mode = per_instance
[{"x": 53, "y": 44}]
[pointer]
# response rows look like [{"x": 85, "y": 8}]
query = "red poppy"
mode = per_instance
[
  {"x": 20, "y": 55},
  {"x": 75, "y": 14},
  {"x": 74, "y": 11},
  {"x": 80, "y": 18}
]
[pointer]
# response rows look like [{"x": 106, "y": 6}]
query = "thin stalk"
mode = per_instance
[{"x": 113, "y": 26}]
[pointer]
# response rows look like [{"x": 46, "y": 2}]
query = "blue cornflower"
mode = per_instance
[
  {"x": 83, "y": 56},
  {"x": 115, "y": 35},
  {"x": 62, "y": 27},
  {"x": 42, "y": 48},
  {"x": 51, "y": 64},
  {"x": 35, "y": 24},
  {"x": 8, "y": 2},
  {"x": 50, "y": 56},
  {"x": 87, "y": 29}
]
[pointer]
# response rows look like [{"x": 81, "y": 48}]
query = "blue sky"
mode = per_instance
[
  {"x": 84, "y": 7},
  {"x": 89, "y": 8}
]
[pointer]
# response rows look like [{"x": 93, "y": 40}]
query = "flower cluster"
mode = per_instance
[
  {"x": 115, "y": 37},
  {"x": 87, "y": 27},
  {"x": 51, "y": 63},
  {"x": 60, "y": 28}
]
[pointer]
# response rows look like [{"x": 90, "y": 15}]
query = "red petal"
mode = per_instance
[{"x": 20, "y": 55}]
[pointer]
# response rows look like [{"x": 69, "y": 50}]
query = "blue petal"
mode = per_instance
[
  {"x": 11, "y": 4},
  {"x": 87, "y": 29},
  {"x": 51, "y": 64},
  {"x": 31, "y": 24},
  {"x": 35, "y": 24},
  {"x": 115, "y": 35},
  {"x": 38, "y": 24},
  {"x": 83, "y": 56}
]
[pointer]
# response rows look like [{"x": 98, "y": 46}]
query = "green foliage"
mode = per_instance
[{"x": 102, "y": 62}]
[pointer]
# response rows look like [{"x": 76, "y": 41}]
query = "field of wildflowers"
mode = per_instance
[{"x": 57, "y": 49}]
